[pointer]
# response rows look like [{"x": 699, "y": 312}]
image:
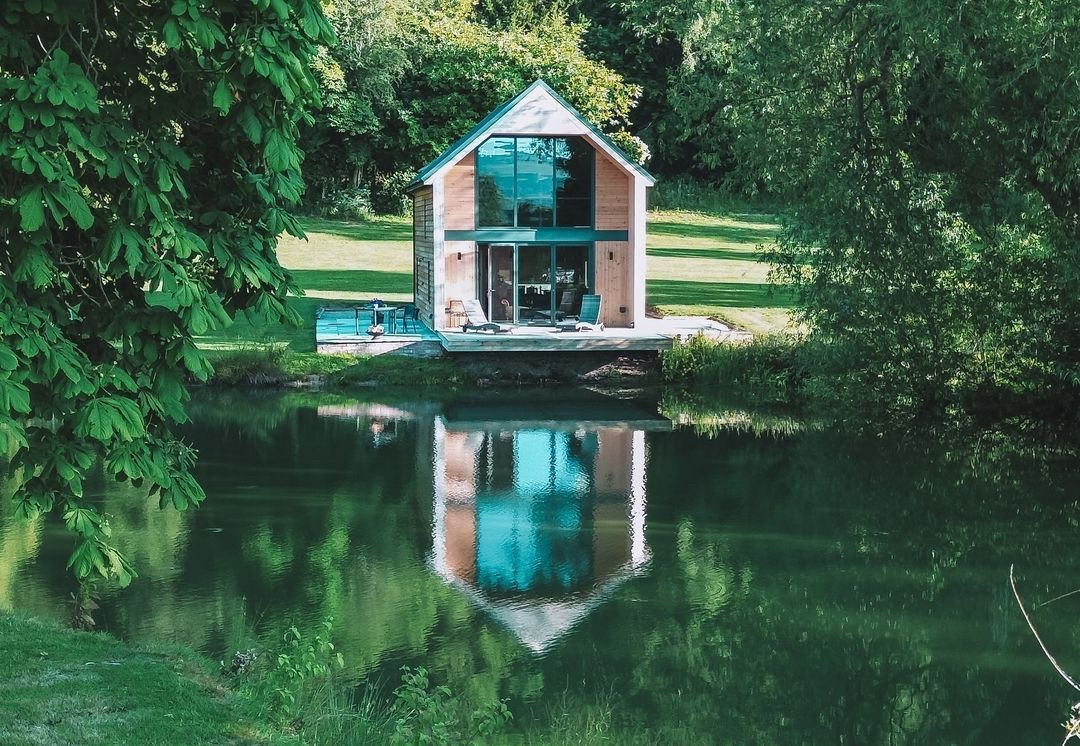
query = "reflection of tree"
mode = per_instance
[
  {"x": 19, "y": 542},
  {"x": 841, "y": 622},
  {"x": 492, "y": 203},
  {"x": 810, "y": 589}
]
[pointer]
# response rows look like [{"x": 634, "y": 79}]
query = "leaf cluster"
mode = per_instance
[
  {"x": 407, "y": 78},
  {"x": 929, "y": 152},
  {"x": 148, "y": 163}
]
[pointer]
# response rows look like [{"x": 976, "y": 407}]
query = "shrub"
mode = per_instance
[
  {"x": 254, "y": 365},
  {"x": 301, "y": 672},
  {"x": 693, "y": 195},
  {"x": 351, "y": 203},
  {"x": 770, "y": 368},
  {"x": 389, "y": 197},
  {"x": 424, "y": 714}
]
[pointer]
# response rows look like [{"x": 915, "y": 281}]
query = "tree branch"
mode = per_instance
[{"x": 1054, "y": 663}]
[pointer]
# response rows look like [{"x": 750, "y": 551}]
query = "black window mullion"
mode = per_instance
[{"x": 554, "y": 184}]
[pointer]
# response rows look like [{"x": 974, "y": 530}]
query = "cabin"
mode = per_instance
[
  {"x": 527, "y": 213},
  {"x": 530, "y": 212}
]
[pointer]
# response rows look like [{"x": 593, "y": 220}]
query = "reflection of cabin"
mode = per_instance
[
  {"x": 528, "y": 212},
  {"x": 538, "y": 524}
]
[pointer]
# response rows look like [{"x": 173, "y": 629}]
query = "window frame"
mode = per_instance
[{"x": 554, "y": 184}]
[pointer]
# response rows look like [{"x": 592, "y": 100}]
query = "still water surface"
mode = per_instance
[{"x": 610, "y": 572}]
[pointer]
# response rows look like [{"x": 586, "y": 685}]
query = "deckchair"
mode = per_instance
[
  {"x": 588, "y": 318},
  {"x": 475, "y": 318},
  {"x": 565, "y": 309},
  {"x": 566, "y": 304}
]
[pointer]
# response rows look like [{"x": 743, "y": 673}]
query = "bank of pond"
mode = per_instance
[{"x": 576, "y": 566}]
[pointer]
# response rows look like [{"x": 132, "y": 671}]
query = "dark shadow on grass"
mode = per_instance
[
  {"x": 725, "y": 294},
  {"x": 376, "y": 229},
  {"x": 728, "y": 233},
  {"x": 354, "y": 280},
  {"x": 746, "y": 255}
]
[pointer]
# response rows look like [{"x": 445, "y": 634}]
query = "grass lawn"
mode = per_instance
[
  {"x": 699, "y": 264},
  {"x": 709, "y": 265},
  {"x": 63, "y": 687}
]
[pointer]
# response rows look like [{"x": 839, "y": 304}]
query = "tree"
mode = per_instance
[
  {"x": 357, "y": 76},
  {"x": 928, "y": 152},
  {"x": 148, "y": 161},
  {"x": 679, "y": 53},
  {"x": 447, "y": 72}
]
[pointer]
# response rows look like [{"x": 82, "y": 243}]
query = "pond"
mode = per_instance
[{"x": 609, "y": 572}]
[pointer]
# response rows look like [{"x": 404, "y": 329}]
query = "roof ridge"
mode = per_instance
[{"x": 434, "y": 166}]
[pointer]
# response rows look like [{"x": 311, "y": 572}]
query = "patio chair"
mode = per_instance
[
  {"x": 410, "y": 315},
  {"x": 478, "y": 320},
  {"x": 567, "y": 301},
  {"x": 588, "y": 318}
]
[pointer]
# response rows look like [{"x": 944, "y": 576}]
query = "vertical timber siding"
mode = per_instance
[
  {"x": 613, "y": 282},
  {"x": 423, "y": 251},
  {"x": 460, "y": 195},
  {"x": 614, "y": 276},
  {"x": 612, "y": 195},
  {"x": 460, "y": 273}
]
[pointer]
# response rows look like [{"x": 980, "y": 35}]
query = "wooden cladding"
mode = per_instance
[
  {"x": 423, "y": 251},
  {"x": 612, "y": 195},
  {"x": 614, "y": 282},
  {"x": 446, "y": 238},
  {"x": 460, "y": 199},
  {"x": 460, "y": 274}
]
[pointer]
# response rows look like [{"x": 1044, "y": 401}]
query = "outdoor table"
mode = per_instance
[{"x": 375, "y": 311}]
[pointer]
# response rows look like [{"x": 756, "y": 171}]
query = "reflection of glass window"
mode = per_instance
[
  {"x": 573, "y": 182},
  {"x": 534, "y": 182},
  {"x": 495, "y": 181},
  {"x": 537, "y": 536}
]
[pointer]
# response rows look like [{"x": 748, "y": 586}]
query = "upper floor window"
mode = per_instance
[{"x": 534, "y": 182}]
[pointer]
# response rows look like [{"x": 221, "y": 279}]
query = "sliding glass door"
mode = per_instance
[
  {"x": 533, "y": 283},
  {"x": 499, "y": 282},
  {"x": 571, "y": 279}
]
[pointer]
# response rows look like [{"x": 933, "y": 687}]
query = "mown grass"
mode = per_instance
[
  {"x": 59, "y": 686},
  {"x": 710, "y": 264},
  {"x": 700, "y": 263},
  {"x": 341, "y": 262}
]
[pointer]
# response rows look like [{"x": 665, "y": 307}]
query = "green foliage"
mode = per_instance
[
  {"x": 679, "y": 52},
  {"x": 426, "y": 714},
  {"x": 686, "y": 193},
  {"x": 770, "y": 368},
  {"x": 148, "y": 161},
  {"x": 300, "y": 669},
  {"x": 250, "y": 365},
  {"x": 407, "y": 78},
  {"x": 927, "y": 149}
]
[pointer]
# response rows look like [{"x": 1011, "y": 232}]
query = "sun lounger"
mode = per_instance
[
  {"x": 476, "y": 319},
  {"x": 588, "y": 318}
]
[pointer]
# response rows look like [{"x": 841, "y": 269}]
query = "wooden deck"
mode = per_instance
[
  {"x": 547, "y": 339},
  {"x": 339, "y": 331}
]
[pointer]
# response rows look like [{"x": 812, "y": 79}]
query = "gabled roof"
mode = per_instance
[{"x": 486, "y": 125}]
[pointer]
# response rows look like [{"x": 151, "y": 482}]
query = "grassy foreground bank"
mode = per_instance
[{"x": 59, "y": 686}]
